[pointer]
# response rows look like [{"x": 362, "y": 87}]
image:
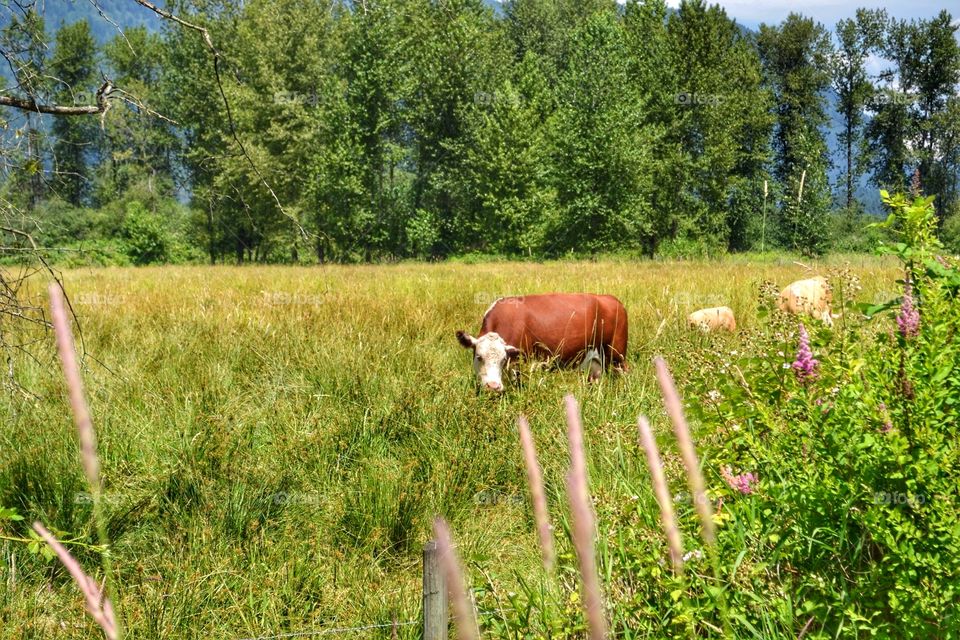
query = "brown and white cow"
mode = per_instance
[
  {"x": 569, "y": 327},
  {"x": 810, "y": 297},
  {"x": 713, "y": 319}
]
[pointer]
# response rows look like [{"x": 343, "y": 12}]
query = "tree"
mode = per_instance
[
  {"x": 504, "y": 156},
  {"x": 73, "y": 65},
  {"x": 603, "y": 155},
  {"x": 377, "y": 75},
  {"x": 24, "y": 42},
  {"x": 856, "y": 40},
  {"x": 546, "y": 29},
  {"x": 456, "y": 50},
  {"x": 188, "y": 93},
  {"x": 136, "y": 145},
  {"x": 794, "y": 56},
  {"x": 910, "y": 129},
  {"x": 721, "y": 124}
]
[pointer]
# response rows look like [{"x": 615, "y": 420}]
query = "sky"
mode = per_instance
[{"x": 751, "y": 13}]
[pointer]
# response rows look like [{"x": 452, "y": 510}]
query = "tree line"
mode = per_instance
[{"x": 383, "y": 129}]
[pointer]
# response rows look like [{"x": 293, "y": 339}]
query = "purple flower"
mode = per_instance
[
  {"x": 908, "y": 320},
  {"x": 887, "y": 422},
  {"x": 805, "y": 365},
  {"x": 742, "y": 483}
]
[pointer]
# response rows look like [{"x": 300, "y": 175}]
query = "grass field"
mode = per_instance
[{"x": 275, "y": 441}]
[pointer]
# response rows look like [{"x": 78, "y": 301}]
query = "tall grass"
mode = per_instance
[{"x": 274, "y": 442}]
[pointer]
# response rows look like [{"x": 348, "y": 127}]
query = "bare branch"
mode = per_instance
[{"x": 30, "y": 104}]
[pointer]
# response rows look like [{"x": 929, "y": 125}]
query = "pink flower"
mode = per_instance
[
  {"x": 805, "y": 365},
  {"x": 887, "y": 422},
  {"x": 908, "y": 320},
  {"x": 742, "y": 483}
]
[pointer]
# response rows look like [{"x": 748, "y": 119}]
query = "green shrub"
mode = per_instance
[
  {"x": 852, "y": 231},
  {"x": 859, "y": 464},
  {"x": 950, "y": 233},
  {"x": 147, "y": 241}
]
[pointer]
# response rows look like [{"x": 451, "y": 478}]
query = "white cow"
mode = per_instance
[
  {"x": 713, "y": 319},
  {"x": 810, "y": 297}
]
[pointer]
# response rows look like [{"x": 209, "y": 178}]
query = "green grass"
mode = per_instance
[{"x": 275, "y": 440}]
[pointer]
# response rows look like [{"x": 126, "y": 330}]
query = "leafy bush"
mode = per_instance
[
  {"x": 859, "y": 462},
  {"x": 950, "y": 234},
  {"x": 147, "y": 240},
  {"x": 852, "y": 231}
]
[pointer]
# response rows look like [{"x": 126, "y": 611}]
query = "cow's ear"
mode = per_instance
[
  {"x": 512, "y": 352},
  {"x": 466, "y": 340}
]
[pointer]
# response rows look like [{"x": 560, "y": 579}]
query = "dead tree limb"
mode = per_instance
[{"x": 30, "y": 104}]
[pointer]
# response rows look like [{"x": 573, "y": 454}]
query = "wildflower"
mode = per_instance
[
  {"x": 696, "y": 554},
  {"x": 742, "y": 483},
  {"x": 887, "y": 422},
  {"x": 908, "y": 320},
  {"x": 805, "y": 365},
  {"x": 915, "y": 187}
]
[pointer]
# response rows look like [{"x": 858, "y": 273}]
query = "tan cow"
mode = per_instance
[
  {"x": 713, "y": 319},
  {"x": 810, "y": 297}
]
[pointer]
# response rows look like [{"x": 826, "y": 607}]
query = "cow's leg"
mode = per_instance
[
  {"x": 593, "y": 363},
  {"x": 616, "y": 349}
]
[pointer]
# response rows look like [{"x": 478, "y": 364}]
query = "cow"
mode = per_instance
[
  {"x": 811, "y": 297},
  {"x": 567, "y": 327},
  {"x": 713, "y": 319}
]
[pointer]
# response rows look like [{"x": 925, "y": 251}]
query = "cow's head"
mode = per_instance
[{"x": 490, "y": 356}]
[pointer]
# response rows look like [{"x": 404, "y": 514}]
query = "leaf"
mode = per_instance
[
  {"x": 942, "y": 373},
  {"x": 9, "y": 514},
  {"x": 871, "y": 310}
]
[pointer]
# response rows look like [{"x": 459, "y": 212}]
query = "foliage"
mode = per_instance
[
  {"x": 857, "y": 39},
  {"x": 389, "y": 124},
  {"x": 146, "y": 241},
  {"x": 73, "y": 65},
  {"x": 951, "y": 234},
  {"x": 794, "y": 57},
  {"x": 864, "y": 515}
]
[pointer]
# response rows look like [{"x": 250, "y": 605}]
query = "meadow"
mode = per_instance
[{"x": 275, "y": 441}]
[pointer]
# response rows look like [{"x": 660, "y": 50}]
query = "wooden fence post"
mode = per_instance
[{"x": 434, "y": 595}]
